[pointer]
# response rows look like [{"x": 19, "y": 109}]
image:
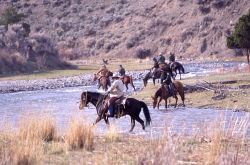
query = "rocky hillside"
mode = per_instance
[{"x": 121, "y": 27}]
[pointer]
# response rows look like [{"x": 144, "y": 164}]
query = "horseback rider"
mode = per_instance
[
  {"x": 161, "y": 59},
  {"x": 167, "y": 82},
  {"x": 121, "y": 71},
  {"x": 103, "y": 72},
  {"x": 114, "y": 92},
  {"x": 155, "y": 67},
  {"x": 171, "y": 57}
]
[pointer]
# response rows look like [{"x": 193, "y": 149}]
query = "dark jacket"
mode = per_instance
[
  {"x": 161, "y": 59},
  {"x": 167, "y": 79},
  {"x": 172, "y": 58},
  {"x": 122, "y": 71}
]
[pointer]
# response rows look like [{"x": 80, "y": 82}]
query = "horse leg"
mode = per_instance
[
  {"x": 176, "y": 99},
  {"x": 166, "y": 103},
  {"x": 158, "y": 105},
  {"x": 137, "y": 118},
  {"x": 106, "y": 119},
  {"x": 132, "y": 124},
  {"x": 180, "y": 73},
  {"x": 126, "y": 84},
  {"x": 97, "y": 119},
  {"x": 133, "y": 86},
  {"x": 154, "y": 81},
  {"x": 181, "y": 93}
]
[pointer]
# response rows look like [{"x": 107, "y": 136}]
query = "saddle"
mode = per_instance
[{"x": 119, "y": 106}]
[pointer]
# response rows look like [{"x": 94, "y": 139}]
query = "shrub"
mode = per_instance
[
  {"x": 112, "y": 134},
  {"x": 37, "y": 128},
  {"x": 80, "y": 135},
  {"x": 142, "y": 53},
  {"x": 10, "y": 16}
]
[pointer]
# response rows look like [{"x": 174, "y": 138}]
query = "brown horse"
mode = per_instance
[
  {"x": 164, "y": 94},
  {"x": 104, "y": 81},
  {"x": 128, "y": 80}
]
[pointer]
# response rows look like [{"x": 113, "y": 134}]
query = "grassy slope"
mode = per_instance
[{"x": 84, "y": 67}]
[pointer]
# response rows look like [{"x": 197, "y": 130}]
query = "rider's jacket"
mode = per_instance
[
  {"x": 172, "y": 58},
  {"x": 122, "y": 71},
  {"x": 167, "y": 80},
  {"x": 116, "y": 89},
  {"x": 102, "y": 72},
  {"x": 161, "y": 59}
]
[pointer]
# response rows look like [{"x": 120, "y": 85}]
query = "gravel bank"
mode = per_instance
[{"x": 73, "y": 81}]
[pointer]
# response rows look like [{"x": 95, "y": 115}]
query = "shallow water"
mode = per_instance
[{"x": 63, "y": 105}]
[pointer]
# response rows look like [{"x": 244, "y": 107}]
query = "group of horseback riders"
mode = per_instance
[
  {"x": 115, "y": 91},
  {"x": 166, "y": 75}
]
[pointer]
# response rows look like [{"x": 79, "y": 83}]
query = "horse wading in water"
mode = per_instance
[
  {"x": 157, "y": 73},
  {"x": 164, "y": 94},
  {"x": 132, "y": 107},
  {"x": 176, "y": 66},
  {"x": 104, "y": 81},
  {"x": 128, "y": 80}
]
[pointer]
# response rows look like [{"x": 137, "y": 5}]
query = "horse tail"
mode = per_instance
[
  {"x": 182, "y": 68},
  {"x": 146, "y": 113}
]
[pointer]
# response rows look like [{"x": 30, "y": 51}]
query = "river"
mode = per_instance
[{"x": 63, "y": 104}]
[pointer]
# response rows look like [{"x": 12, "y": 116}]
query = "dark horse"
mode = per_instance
[
  {"x": 128, "y": 80},
  {"x": 164, "y": 94},
  {"x": 176, "y": 66},
  {"x": 104, "y": 81},
  {"x": 132, "y": 108},
  {"x": 157, "y": 73}
]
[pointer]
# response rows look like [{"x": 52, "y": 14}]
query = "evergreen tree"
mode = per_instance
[{"x": 240, "y": 38}]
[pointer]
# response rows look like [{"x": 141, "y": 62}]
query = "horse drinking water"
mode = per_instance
[{"x": 132, "y": 107}]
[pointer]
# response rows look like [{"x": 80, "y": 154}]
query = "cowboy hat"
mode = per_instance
[{"x": 116, "y": 75}]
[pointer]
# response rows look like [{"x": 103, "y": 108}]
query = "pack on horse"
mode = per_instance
[
  {"x": 176, "y": 66},
  {"x": 164, "y": 93},
  {"x": 103, "y": 80},
  {"x": 157, "y": 73},
  {"x": 132, "y": 107}
]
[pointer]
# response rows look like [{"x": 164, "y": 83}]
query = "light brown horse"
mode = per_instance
[
  {"x": 164, "y": 94},
  {"x": 104, "y": 81},
  {"x": 128, "y": 80}
]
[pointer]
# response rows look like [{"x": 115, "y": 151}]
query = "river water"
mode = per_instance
[{"x": 63, "y": 104}]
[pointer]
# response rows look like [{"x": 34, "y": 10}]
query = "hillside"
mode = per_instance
[{"x": 120, "y": 27}]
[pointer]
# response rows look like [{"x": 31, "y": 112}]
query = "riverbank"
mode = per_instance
[{"x": 229, "y": 90}]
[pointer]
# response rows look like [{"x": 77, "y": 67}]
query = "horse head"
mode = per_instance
[
  {"x": 83, "y": 100},
  {"x": 95, "y": 77},
  {"x": 154, "y": 101},
  {"x": 146, "y": 78}
]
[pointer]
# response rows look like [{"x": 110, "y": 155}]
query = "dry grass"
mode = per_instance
[
  {"x": 80, "y": 135},
  {"x": 212, "y": 143},
  {"x": 42, "y": 128},
  {"x": 112, "y": 134}
]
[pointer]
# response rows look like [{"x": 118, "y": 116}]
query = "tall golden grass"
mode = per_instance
[
  {"x": 43, "y": 128},
  {"x": 223, "y": 144},
  {"x": 80, "y": 135},
  {"x": 112, "y": 135},
  {"x": 218, "y": 142}
]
